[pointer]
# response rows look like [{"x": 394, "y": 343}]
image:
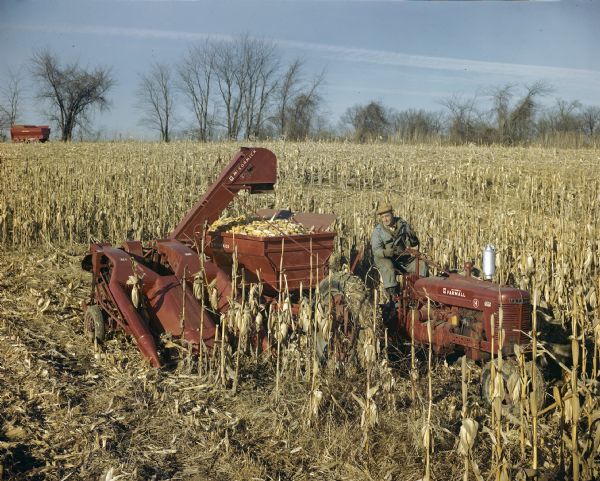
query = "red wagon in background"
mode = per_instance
[{"x": 30, "y": 133}]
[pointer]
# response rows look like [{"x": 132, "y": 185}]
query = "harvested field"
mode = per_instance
[{"x": 69, "y": 410}]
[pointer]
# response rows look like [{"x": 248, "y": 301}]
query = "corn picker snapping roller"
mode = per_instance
[{"x": 148, "y": 290}]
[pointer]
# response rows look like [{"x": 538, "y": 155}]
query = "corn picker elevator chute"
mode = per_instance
[{"x": 147, "y": 290}]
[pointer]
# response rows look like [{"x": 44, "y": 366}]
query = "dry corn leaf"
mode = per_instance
[{"x": 467, "y": 435}]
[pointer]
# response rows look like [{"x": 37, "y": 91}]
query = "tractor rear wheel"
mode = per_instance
[
  {"x": 346, "y": 296},
  {"x": 94, "y": 324},
  {"x": 510, "y": 398}
]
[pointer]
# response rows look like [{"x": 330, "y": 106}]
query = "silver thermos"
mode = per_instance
[{"x": 489, "y": 262}]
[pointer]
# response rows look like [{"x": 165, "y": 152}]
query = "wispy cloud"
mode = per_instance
[
  {"x": 386, "y": 57},
  {"x": 344, "y": 1},
  {"x": 336, "y": 52},
  {"x": 426, "y": 92},
  {"x": 119, "y": 31}
]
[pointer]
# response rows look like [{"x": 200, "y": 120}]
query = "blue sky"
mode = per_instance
[{"x": 406, "y": 54}]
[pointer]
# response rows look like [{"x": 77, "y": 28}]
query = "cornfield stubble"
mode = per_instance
[{"x": 72, "y": 411}]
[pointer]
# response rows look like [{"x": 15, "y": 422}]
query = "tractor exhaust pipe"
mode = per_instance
[{"x": 489, "y": 262}]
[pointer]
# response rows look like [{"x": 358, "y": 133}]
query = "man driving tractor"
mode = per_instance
[{"x": 390, "y": 239}]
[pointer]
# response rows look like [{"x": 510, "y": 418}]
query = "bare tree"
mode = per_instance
[
  {"x": 464, "y": 118},
  {"x": 566, "y": 116},
  {"x": 71, "y": 91},
  {"x": 197, "y": 77},
  {"x": 246, "y": 76},
  {"x": 287, "y": 91},
  {"x": 522, "y": 117},
  {"x": 501, "y": 110},
  {"x": 260, "y": 64},
  {"x": 590, "y": 120},
  {"x": 302, "y": 112},
  {"x": 515, "y": 121},
  {"x": 10, "y": 101},
  {"x": 156, "y": 99},
  {"x": 369, "y": 122},
  {"x": 417, "y": 125},
  {"x": 231, "y": 83}
]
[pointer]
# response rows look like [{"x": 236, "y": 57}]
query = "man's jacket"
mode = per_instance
[{"x": 400, "y": 235}]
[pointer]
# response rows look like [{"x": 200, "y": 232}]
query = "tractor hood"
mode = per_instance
[{"x": 469, "y": 292}]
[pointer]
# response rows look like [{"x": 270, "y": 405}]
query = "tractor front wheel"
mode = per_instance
[
  {"x": 512, "y": 382},
  {"x": 94, "y": 324}
]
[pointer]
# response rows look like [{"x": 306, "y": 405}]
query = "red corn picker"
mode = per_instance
[
  {"x": 148, "y": 290},
  {"x": 29, "y": 133}
]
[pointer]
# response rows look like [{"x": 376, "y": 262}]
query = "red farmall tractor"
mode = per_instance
[
  {"x": 461, "y": 313},
  {"x": 151, "y": 290}
]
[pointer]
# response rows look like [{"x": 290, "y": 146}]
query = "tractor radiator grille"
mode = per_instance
[{"x": 515, "y": 318}]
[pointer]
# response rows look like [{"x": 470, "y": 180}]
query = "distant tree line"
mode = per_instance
[
  {"x": 504, "y": 115},
  {"x": 243, "y": 89}
]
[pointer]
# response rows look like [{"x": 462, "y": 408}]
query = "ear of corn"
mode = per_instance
[{"x": 256, "y": 227}]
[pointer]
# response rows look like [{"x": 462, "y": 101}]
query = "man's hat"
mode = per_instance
[{"x": 384, "y": 208}]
